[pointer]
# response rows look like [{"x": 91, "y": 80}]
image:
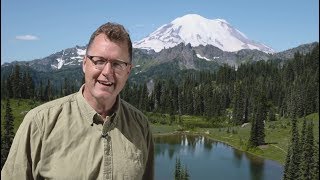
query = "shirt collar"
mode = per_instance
[{"x": 90, "y": 114}]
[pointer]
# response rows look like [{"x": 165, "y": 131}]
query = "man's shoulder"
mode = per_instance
[
  {"x": 134, "y": 112},
  {"x": 46, "y": 111},
  {"x": 57, "y": 103},
  {"x": 130, "y": 107}
]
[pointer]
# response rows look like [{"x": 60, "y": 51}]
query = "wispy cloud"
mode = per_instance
[{"x": 27, "y": 38}]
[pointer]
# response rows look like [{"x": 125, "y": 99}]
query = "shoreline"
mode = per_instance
[{"x": 211, "y": 138}]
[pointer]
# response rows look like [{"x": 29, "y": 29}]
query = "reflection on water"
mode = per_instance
[{"x": 207, "y": 159}]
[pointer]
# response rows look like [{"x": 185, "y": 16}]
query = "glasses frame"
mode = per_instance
[{"x": 108, "y": 61}]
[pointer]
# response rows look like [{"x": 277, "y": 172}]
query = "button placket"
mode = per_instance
[
  {"x": 107, "y": 149},
  {"x": 108, "y": 157}
]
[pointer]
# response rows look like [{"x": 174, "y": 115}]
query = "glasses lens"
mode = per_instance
[
  {"x": 118, "y": 65},
  {"x": 100, "y": 63}
]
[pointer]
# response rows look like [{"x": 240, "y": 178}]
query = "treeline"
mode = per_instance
[
  {"x": 21, "y": 84},
  {"x": 268, "y": 87},
  {"x": 228, "y": 92},
  {"x": 18, "y": 85}
]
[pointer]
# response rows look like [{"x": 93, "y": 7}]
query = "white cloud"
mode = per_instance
[{"x": 27, "y": 38}]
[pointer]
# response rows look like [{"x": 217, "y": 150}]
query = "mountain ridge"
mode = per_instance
[
  {"x": 72, "y": 57},
  {"x": 148, "y": 65}
]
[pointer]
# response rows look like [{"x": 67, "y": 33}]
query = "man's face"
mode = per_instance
[{"x": 107, "y": 83}]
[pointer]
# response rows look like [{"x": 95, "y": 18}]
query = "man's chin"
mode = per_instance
[{"x": 104, "y": 95}]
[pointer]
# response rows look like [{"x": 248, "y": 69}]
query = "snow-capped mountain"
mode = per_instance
[
  {"x": 70, "y": 56},
  {"x": 197, "y": 30}
]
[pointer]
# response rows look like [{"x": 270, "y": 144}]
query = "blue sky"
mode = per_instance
[{"x": 37, "y": 28}]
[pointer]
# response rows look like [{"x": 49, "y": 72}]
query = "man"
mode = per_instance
[{"x": 92, "y": 134}]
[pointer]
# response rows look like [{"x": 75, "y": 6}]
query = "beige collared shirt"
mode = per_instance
[{"x": 65, "y": 139}]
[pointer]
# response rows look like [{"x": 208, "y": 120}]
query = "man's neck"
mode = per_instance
[{"x": 104, "y": 107}]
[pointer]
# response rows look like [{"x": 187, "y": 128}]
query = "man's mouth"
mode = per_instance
[{"x": 105, "y": 83}]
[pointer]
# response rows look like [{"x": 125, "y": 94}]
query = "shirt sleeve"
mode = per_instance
[
  {"x": 24, "y": 156},
  {"x": 149, "y": 171}
]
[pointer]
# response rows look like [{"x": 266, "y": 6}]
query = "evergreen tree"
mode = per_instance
[
  {"x": 4, "y": 92},
  {"x": 208, "y": 100},
  {"x": 143, "y": 100},
  {"x": 8, "y": 134},
  {"x": 158, "y": 94},
  {"x": 304, "y": 153},
  {"x": 41, "y": 92},
  {"x": 48, "y": 92},
  {"x": 9, "y": 87},
  {"x": 292, "y": 166},
  {"x": 238, "y": 105},
  {"x": 315, "y": 167},
  {"x": 66, "y": 87},
  {"x": 286, "y": 173},
  {"x": 257, "y": 135},
  {"x": 24, "y": 92},
  {"x": 307, "y": 159},
  {"x": 16, "y": 82}
]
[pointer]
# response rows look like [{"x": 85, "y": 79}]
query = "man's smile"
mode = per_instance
[{"x": 105, "y": 83}]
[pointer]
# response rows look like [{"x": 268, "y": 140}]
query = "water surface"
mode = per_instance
[{"x": 207, "y": 159}]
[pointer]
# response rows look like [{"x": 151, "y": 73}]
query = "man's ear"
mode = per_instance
[{"x": 130, "y": 68}]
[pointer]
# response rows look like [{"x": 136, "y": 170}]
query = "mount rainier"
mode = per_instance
[{"x": 197, "y": 30}]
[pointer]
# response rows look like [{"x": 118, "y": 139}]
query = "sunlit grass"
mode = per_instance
[{"x": 19, "y": 108}]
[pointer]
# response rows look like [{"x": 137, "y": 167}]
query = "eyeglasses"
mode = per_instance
[{"x": 100, "y": 63}]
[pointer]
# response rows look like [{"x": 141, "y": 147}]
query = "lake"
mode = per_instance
[{"x": 208, "y": 159}]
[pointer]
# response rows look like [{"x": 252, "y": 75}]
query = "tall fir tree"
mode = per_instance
[
  {"x": 292, "y": 166},
  {"x": 16, "y": 82},
  {"x": 286, "y": 172},
  {"x": 9, "y": 87},
  {"x": 304, "y": 153},
  {"x": 238, "y": 104},
  {"x": 8, "y": 133},
  {"x": 48, "y": 92},
  {"x": 307, "y": 155},
  {"x": 315, "y": 167},
  {"x": 257, "y": 133}
]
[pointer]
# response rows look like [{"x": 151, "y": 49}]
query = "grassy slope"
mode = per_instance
[
  {"x": 19, "y": 109},
  {"x": 278, "y": 136},
  {"x": 278, "y": 133}
]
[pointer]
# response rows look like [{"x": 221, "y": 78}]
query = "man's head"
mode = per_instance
[
  {"x": 107, "y": 63},
  {"x": 115, "y": 33}
]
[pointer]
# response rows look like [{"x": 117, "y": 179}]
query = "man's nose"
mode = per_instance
[{"x": 107, "y": 68}]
